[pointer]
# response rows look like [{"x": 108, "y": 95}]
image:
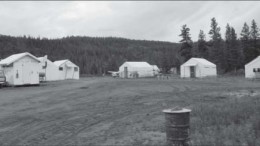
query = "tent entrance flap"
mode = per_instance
[{"x": 192, "y": 72}]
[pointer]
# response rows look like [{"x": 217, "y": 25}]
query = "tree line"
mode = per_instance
[
  {"x": 229, "y": 54},
  {"x": 94, "y": 55},
  {"x": 97, "y": 55}
]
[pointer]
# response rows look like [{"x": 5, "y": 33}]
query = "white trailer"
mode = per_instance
[{"x": 21, "y": 69}]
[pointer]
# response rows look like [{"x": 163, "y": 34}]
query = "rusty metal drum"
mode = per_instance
[{"x": 177, "y": 126}]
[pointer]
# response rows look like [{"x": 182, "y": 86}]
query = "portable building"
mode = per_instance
[
  {"x": 135, "y": 69},
  {"x": 198, "y": 68},
  {"x": 252, "y": 69},
  {"x": 67, "y": 69},
  {"x": 48, "y": 70},
  {"x": 21, "y": 69}
]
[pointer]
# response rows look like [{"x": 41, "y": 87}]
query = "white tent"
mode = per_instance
[
  {"x": 48, "y": 69},
  {"x": 198, "y": 67},
  {"x": 252, "y": 69},
  {"x": 21, "y": 69},
  {"x": 135, "y": 69},
  {"x": 67, "y": 70}
]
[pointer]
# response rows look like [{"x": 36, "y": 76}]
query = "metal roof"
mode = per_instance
[
  {"x": 198, "y": 60},
  {"x": 16, "y": 57}
]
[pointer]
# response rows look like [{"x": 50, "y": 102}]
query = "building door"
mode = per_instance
[
  {"x": 192, "y": 72},
  {"x": 125, "y": 72},
  {"x": 26, "y": 71}
]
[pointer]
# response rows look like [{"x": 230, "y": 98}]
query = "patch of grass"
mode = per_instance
[{"x": 232, "y": 122}]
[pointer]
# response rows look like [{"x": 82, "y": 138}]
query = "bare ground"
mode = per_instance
[{"x": 105, "y": 111}]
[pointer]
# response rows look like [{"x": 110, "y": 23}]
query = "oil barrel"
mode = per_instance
[{"x": 177, "y": 126}]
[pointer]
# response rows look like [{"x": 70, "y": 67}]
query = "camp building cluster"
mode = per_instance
[{"x": 25, "y": 68}]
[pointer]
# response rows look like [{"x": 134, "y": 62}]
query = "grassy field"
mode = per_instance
[{"x": 107, "y": 111}]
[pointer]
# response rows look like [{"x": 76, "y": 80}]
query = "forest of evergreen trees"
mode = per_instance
[
  {"x": 230, "y": 53},
  {"x": 96, "y": 55}
]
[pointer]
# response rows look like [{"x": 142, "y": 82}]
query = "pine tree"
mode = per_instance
[
  {"x": 227, "y": 51},
  {"x": 245, "y": 41},
  {"x": 186, "y": 46},
  {"x": 216, "y": 51},
  {"x": 202, "y": 46},
  {"x": 254, "y": 35},
  {"x": 215, "y": 30},
  {"x": 232, "y": 51}
]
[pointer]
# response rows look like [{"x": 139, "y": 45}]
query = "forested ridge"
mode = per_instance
[
  {"x": 97, "y": 55},
  {"x": 94, "y": 55}
]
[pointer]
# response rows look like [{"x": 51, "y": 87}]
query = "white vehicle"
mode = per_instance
[
  {"x": 2, "y": 78},
  {"x": 114, "y": 74}
]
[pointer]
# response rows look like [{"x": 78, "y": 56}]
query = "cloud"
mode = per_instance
[{"x": 152, "y": 20}]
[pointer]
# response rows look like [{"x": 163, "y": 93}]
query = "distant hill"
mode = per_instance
[{"x": 94, "y": 55}]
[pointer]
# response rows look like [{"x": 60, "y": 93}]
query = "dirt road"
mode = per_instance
[{"x": 100, "y": 111}]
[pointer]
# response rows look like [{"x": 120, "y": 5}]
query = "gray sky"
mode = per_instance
[{"x": 148, "y": 20}]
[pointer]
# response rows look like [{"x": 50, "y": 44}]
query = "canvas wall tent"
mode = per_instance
[
  {"x": 21, "y": 69},
  {"x": 198, "y": 67},
  {"x": 252, "y": 69},
  {"x": 135, "y": 69},
  {"x": 67, "y": 70},
  {"x": 48, "y": 69}
]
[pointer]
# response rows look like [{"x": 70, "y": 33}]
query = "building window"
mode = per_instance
[
  {"x": 76, "y": 69},
  {"x": 61, "y": 68}
]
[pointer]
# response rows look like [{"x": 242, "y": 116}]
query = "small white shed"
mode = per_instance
[
  {"x": 198, "y": 68},
  {"x": 21, "y": 69},
  {"x": 252, "y": 69},
  {"x": 135, "y": 69},
  {"x": 48, "y": 69},
  {"x": 67, "y": 69}
]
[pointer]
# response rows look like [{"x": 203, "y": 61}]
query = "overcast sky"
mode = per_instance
[{"x": 148, "y": 20}]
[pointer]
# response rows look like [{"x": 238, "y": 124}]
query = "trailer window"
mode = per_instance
[
  {"x": 61, "y": 68},
  {"x": 10, "y": 65},
  {"x": 76, "y": 69}
]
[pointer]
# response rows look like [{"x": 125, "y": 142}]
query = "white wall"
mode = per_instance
[
  {"x": 249, "y": 69},
  {"x": 23, "y": 71},
  {"x": 51, "y": 71},
  {"x": 200, "y": 70},
  {"x": 68, "y": 72},
  {"x": 185, "y": 71},
  {"x": 208, "y": 71}
]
